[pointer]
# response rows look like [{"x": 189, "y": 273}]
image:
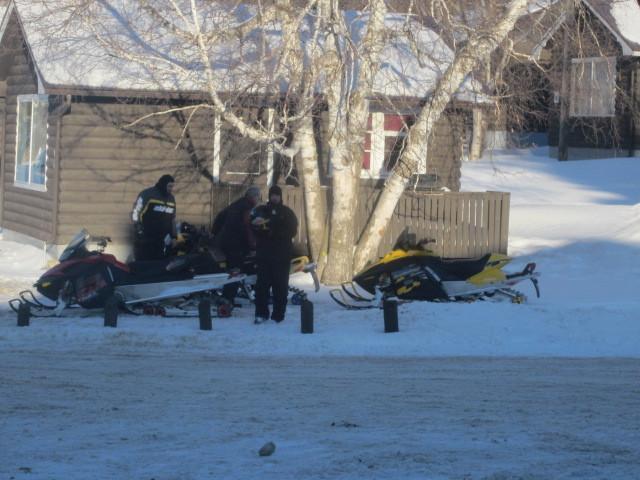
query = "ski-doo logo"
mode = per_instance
[{"x": 163, "y": 209}]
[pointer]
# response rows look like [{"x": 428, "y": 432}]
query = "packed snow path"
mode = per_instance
[{"x": 113, "y": 414}]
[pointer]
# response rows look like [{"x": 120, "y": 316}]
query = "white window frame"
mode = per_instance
[
  {"x": 612, "y": 66},
  {"x": 215, "y": 164},
  {"x": 21, "y": 99}
]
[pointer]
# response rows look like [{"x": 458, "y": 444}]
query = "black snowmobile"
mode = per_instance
[{"x": 412, "y": 272}]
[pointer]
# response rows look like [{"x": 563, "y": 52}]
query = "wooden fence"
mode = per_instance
[{"x": 463, "y": 224}]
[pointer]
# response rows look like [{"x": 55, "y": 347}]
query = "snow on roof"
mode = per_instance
[
  {"x": 538, "y": 5},
  {"x": 69, "y": 51},
  {"x": 622, "y": 17},
  {"x": 3, "y": 10},
  {"x": 411, "y": 68}
]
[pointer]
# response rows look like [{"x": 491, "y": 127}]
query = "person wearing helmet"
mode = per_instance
[{"x": 154, "y": 220}]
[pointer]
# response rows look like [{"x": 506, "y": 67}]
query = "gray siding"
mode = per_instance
[
  {"x": 104, "y": 164},
  {"x": 445, "y": 152},
  {"x": 26, "y": 211}
]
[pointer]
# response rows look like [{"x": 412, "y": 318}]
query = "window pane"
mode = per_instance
[
  {"x": 593, "y": 87},
  {"x": 398, "y": 123},
  {"x": 39, "y": 142},
  {"x": 603, "y": 88},
  {"x": 23, "y": 146},
  {"x": 366, "y": 160},
  {"x": 581, "y": 81},
  {"x": 366, "y": 156}
]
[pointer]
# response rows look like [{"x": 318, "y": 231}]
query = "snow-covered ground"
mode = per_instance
[
  {"x": 192, "y": 404},
  {"x": 101, "y": 414},
  {"x": 579, "y": 221}
]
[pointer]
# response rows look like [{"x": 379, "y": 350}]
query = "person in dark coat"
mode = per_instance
[
  {"x": 154, "y": 220},
  {"x": 234, "y": 235},
  {"x": 275, "y": 226}
]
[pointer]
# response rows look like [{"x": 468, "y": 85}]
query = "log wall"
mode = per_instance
[{"x": 25, "y": 210}]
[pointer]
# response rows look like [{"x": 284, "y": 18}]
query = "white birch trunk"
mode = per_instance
[
  {"x": 477, "y": 138},
  {"x": 314, "y": 203},
  {"x": 348, "y": 113},
  {"x": 341, "y": 232},
  {"x": 478, "y": 47}
]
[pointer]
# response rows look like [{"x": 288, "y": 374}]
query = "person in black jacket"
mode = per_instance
[
  {"x": 234, "y": 235},
  {"x": 154, "y": 219},
  {"x": 275, "y": 226}
]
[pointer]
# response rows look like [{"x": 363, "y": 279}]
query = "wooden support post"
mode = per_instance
[
  {"x": 204, "y": 314},
  {"x": 111, "y": 307},
  {"x": 631, "y": 109},
  {"x": 563, "y": 132},
  {"x": 24, "y": 314},
  {"x": 306, "y": 316},
  {"x": 390, "y": 311}
]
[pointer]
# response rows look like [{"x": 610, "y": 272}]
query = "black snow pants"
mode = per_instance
[{"x": 273, "y": 274}]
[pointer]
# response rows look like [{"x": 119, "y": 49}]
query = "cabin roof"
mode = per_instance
[
  {"x": 69, "y": 54},
  {"x": 620, "y": 17}
]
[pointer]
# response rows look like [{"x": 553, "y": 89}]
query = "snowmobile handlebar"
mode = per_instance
[
  {"x": 426, "y": 241},
  {"x": 101, "y": 242}
]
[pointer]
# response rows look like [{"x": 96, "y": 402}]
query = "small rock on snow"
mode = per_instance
[{"x": 267, "y": 449}]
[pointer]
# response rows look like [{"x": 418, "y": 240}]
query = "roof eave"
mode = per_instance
[
  {"x": 86, "y": 91},
  {"x": 627, "y": 51}
]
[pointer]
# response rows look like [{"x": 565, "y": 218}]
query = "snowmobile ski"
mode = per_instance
[
  {"x": 338, "y": 296},
  {"x": 351, "y": 290}
]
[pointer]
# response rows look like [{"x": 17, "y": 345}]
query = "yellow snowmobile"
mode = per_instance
[{"x": 412, "y": 272}]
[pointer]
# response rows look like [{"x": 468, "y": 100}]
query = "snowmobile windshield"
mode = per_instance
[{"x": 76, "y": 243}]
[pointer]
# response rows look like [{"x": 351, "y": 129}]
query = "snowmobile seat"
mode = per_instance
[
  {"x": 458, "y": 268},
  {"x": 148, "y": 267},
  {"x": 157, "y": 271}
]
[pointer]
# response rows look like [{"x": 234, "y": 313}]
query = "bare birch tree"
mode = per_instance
[
  {"x": 300, "y": 57},
  {"x": 478, "y": 47}
]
